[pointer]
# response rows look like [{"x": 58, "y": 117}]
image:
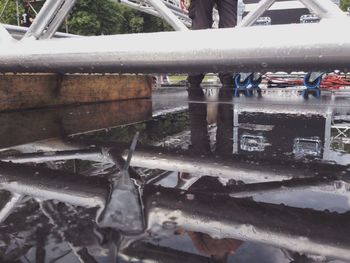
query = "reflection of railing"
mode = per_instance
[
  {"x": 297, "y": 229},
  {"x": 342, "y": 129},
  {"x": 156, "y": 158}
]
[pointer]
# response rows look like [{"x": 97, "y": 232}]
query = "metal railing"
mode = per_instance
[{"x": 176, "y": 52}]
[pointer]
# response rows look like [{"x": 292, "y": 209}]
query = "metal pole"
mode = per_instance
[
  {"x": 90, "y": 154},
  {"x": 212, "y": 50},
  {"x": 298, "y": 229},
  {"x": 328, "y": 133},
  {"x": 18, "y": 32},
  {"x": 44, "y": 17},
  {"x": 10, "y": 206},
  {"x": 254, "y": 15},
  {"x": 225, "y": 168},
  {"x": 17, "y": 13},
  {"x": 149, "y": 157},
  {"x": 164, "y": 11},
  {"x": 46, "y": 184},
  {"x": 58, "y": 20}
]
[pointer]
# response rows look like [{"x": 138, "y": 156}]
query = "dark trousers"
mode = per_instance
[{"x": 200, "y": 11}]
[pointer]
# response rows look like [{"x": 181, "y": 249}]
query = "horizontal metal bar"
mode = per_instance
[
  {"x": 230, "y": 168},
  {"x": 157, "y": 158},
  {"x": 152, "y": 159},
  {"x": 18, "y": 32},
  {"x": 89, "y": 154},
  {"x": 46, "y": 184},
  {"x": 148, "y": 252},
  {"x": 273, "y": 48},
  {"x": 314, "y": 183},
  {"x": 297, "y": 229}
]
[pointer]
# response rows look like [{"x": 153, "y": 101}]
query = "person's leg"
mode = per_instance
[
  {"x": 227, "y": 13},
  {"x": 224, "y": 132},
  {"x": 199, "y": 128},
  {"x": 228, "y": 18},
  {"x": 200, "y": 11}
]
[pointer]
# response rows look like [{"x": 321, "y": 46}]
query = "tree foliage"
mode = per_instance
[
  {"x": 96, "y": 17},
  {"x": 8, "y": 11},
  {"x": 344, "y": 4},
  {"x": 103, "y": 17}
]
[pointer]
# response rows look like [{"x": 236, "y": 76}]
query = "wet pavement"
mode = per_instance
[{"x": 211, "y": 179}]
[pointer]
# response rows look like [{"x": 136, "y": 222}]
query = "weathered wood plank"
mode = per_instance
[
  {"x": 24, "y": 91},
  {"x": 21, "y": 127}
]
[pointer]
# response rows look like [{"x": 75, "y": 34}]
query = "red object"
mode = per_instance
[
  {"x": 333, "y": 82},
  {"x": 329, "y": 82}
]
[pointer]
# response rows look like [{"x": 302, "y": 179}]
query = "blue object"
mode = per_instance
[
  {"x": 312, "y": 87},
  {"x": 242, "y": 86}
]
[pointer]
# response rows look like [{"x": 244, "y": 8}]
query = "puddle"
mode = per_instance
[{"x": 215, "y": 179}]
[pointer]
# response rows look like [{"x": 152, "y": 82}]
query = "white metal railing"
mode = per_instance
[{"x": 269, "y": 48}]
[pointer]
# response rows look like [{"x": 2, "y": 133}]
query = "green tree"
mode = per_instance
[
  {"x": 344, "y": 4},
  {"x": 95, "y": 17},
  {"x": 8, "y": 12},
  {"x": 103, "y": 17}
]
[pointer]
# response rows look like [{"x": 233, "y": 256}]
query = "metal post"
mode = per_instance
[
  {"x": 17, "y": 13},
  {"x": 10, "y": 206},
  {"x": 58, "y": 20},
  {"x": 46, "y": 184},
  {"x": 168, "y": 15},
  {"x": 18, "y": 32},
  {"x": 254, "y": 15},
  {"x": 44, "y": 17},
  {"x": 328, "y": 134}
]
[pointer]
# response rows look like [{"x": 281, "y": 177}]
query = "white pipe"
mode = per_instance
[{"x": 273, "y": 48}]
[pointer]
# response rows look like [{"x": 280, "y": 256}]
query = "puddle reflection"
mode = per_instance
[{"x": 214, "y": 181}]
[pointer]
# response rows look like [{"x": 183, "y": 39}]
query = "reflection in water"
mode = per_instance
[{"x": 236, "y": 184}]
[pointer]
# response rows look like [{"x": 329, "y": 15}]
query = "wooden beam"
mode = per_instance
[
  {"x": 25, "y": 91},
  {"x": 17, "y": 128}
]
